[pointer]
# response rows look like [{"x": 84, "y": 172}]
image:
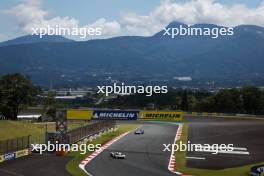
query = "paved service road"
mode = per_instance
[
  {"x": 144, "y": 154},
  {"x": 246, "y": 135},
  {"x": 36, "y": 165}
]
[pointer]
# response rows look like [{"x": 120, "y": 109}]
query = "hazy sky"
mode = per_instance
[{"x": 124, "y": 17}]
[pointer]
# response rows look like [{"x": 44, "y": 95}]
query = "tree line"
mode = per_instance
[
  {"x": 245, "y": 100},
  {"x": 17, "y": 92}
]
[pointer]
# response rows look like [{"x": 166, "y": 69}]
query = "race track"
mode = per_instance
[{"x": 145, "y": 156}]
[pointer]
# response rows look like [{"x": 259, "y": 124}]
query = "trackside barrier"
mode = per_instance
[
  {"x": 94, "y": 136},
  {"x": 161, "y": 115},
  {"x": 14, "y": 148},
  {"x": 88, "y": 130},
  {"x": 115, "y": 114},
  {"x": 91, "y": 137},
  {"x": 109, "y": 114},
  {"x": 76, "y": 114},
  {"x": 13, "y": 155},
  {"x": 14, "y": 144}
]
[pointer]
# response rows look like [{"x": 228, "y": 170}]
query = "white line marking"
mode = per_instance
[
  {"x": 240, "y": 148},
  {"x": 197, "y": 158},
  {"x": 235, "y": 148},
  {"x": 224, "y": 152}
]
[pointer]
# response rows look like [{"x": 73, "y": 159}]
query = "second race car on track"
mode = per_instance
[
  {"x": 118, "y": 155},
  {"x": 140, "y": 131}
]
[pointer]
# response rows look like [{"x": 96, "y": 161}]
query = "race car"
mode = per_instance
[
  {"x": 140, "y": 131},
  {"x": 118, "y": 155},
  {"x": 257, "y": 170}
]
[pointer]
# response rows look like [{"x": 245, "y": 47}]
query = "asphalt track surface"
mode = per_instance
[
  {"x": 35, "y": 165},
  {"x": 240, "y": 132},
  {"x": 144, "y": 154}
]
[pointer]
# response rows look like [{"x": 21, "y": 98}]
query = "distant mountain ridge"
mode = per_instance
[
  {"x": 28, "y": 39},
  {"x": 226, "y": 61}
]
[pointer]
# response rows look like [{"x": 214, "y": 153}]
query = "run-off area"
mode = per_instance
[{"x": 246, "y": 136}]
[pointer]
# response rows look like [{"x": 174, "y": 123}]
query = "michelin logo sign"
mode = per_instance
[{"x": 115, "y": 115}]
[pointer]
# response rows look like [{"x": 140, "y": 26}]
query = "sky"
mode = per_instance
[{"x": 124, "y": 17}]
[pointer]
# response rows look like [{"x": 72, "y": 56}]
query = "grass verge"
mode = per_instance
[
  {"x": 73, "y": 166},
  {"x": 181, "y": 164},
  {"x": 13, "y": 129},
  {"x": 10, "y": 129}
]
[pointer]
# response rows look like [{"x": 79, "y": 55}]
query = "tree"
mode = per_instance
[
  {"x": 49, "y": 106},
  {"x": 184, "y": 101},
  {"x": 252, "y": 99},
  {"x": 192, "y": 102},
  {"x": 16, "y": 92},
  {"x": 228, "y": 101}
]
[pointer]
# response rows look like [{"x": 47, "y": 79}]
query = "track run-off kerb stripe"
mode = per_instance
[{"x": 172, "y": 162}]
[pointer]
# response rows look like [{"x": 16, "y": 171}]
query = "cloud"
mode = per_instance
[
  {"x": 29, "y": 14},
  {"x": 3, "y": 37},
  {"x": 108, "y": 28},
  {"x": 192, "y": 12}
]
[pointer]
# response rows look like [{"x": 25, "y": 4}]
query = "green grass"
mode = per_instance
[
  {"x": 181, "y": 164},
  {"x": 13, "y": 129},
  {"x": 73, "y": 166}
]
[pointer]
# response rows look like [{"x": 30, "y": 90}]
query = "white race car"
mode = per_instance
[
  {"x": 118, "y": 155},
  {"x": 140, "y": 131}
]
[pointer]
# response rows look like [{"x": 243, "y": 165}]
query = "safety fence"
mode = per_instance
[
  {"x": 79, "y": 133},
  {"x": 14, "y": 148},
  {"x": 15, "y": 144}
]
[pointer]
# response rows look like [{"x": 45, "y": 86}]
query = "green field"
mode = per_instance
[
  {"x": 13, "y": 129},
  {"x": 181, "y": 164},
  {"x": 73, "y": 166}
]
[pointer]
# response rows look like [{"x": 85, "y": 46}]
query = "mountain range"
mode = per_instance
[{"x": 226, "y": 61}]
